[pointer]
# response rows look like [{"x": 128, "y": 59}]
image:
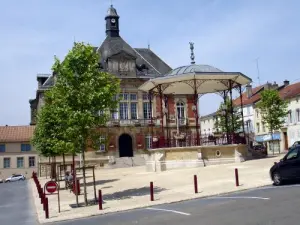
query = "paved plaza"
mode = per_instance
[{"x": 128, "y": 188}]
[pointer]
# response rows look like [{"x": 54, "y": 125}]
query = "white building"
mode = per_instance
[
  {"x": 290, "y": 132},
  {"x": 208, "y": 124}
]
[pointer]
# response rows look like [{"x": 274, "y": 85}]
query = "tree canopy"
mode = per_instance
[
  {"x": 273, "y": 109},
  {"x": 234, "y": 120},
  {"x": 79, "y": 103}
]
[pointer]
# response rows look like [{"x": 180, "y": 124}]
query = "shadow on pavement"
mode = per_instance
[
  {"x": 129, "y": 193},
  {"x": 99, "y": 182}
]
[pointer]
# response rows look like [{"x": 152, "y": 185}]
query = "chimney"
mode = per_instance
[
  {"x": 249, "y": 90},
  {"x": 286, "y": 83},
  {"x": 275, "y": 85}
]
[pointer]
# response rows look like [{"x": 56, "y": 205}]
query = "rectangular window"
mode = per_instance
[
  {"x": 123, "y": 111},
  {"x": 2, "y": 147},
  {"x": 290, "y": 116},
  {"x": 148, "y": 142},
  {"x": 124, "y": 96},
  {"x": 257, "y": 127},
  {"x": 257, "y": 113},
  {"x": 263, "y": 127},
  {"x": 114, "y": 115},
  {"x": 6, "y": 162},
  {"x": 25, "y": 147},
  {"x": 102, "y": 143},
  {"x": 133, "y": 97},
  {"x": 31, "y": 161},
  {"x": 248, "y": 110},
  {"x": 20, "y": 162},
  {"x": 145, "y": 96},
  {"x": 133, "y": 111},
  {"x": 146, "y": 110},
  {"x": 298, "y": 115}
]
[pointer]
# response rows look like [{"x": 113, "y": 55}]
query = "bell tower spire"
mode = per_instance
[{"x": 112, "y": 22}]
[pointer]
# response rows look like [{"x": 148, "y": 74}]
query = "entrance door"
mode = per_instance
[
  {"x": 125, "y": 146},
  {"x": 286, "y": 146}
]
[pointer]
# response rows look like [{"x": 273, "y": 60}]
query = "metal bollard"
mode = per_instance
[
  {"x": 236, "y": 177},
  {"x": 100, "y": 199},
  {"x": 195, "y": 184},
  {"x": 151, "y": 191},
  {"x": 42, "y": 197},
  {"x": 46, "y": 208}
]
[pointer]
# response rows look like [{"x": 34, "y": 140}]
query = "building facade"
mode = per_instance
[
  {"x": 137, "y": 122},
  {"x": 17, "y": 155},
  {"x": 208, "y": 123},
  {"x": 281, "y": 139}
]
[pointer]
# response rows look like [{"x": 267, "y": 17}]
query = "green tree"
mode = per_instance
[
  {"x": 234, "y": 120},
  {"x": 273, "y": 110},
  {"x": 49, "y": 136},
  {"x": 86, "y": 95}
]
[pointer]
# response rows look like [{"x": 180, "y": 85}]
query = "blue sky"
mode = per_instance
[{"x": 228, "y": 34}]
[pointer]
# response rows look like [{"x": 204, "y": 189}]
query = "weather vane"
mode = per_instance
[{"x": 192, "y": 53}]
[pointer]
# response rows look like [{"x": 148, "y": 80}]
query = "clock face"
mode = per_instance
[{"x": 113, "y": 20}]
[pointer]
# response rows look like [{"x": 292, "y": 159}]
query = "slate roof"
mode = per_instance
[
  {"x": 193, "y": 68},
  {"x": 149, "y": 57},
  {"x": 208, "y": 115},
  {"x": 16, "y": 133},
  {"x": 114, "y": 45}
]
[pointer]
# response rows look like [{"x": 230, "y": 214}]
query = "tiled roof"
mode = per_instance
[
  {"x": 16, "y": 133},
  {"x": 290, "y": 91},
  {"x": 246, "y": 101},
  {"x": 287, "y": 92},
  {"x": 208, "y": 115}
]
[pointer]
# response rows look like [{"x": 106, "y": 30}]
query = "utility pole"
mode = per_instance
[{"x": 257, "y": 67}]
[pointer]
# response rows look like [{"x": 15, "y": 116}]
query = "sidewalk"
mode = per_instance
[{"x": 128, "y": 188}]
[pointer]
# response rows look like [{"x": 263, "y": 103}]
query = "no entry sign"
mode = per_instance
[{"x": 51, "y": 187}]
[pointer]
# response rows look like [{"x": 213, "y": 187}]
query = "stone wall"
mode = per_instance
[{"x": 182, "y": 157}]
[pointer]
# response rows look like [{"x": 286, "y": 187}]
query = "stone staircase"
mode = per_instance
[{"x": 117, "y": 162}]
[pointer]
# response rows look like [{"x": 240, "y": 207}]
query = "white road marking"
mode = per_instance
[
  {"x": 239, "y": 197},
  {"x": 274, "y": 187},
  {"x": 168, "y": 210}
]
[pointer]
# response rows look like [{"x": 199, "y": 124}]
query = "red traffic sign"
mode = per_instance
[{"x": 51, "y": 187}]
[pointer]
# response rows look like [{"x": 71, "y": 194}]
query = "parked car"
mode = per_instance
[
  {"x": 288, "y": 168},
  {"x": 295, "y": 144},
  {"x": 1, "y": 180},
  {"x": 15, "y": 177}
]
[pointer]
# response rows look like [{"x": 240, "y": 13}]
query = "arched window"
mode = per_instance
[{"x": 180, "y": 110}]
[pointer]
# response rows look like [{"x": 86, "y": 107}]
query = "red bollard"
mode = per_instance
[
  {"x": 43, "y": 196},
  {"x": 46, "y": 208},
  {"x": 100, "y": 199},
  {"x": 196, "y": 184},
  {"x": 151, "y": 191},
  {"x": 236, "y": 177}
]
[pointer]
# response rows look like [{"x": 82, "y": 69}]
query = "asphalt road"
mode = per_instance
[
  {"x": 265, "y": 206},
  {"x": 16, "y": 206}
]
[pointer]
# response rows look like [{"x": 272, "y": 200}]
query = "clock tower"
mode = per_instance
[{"x": 112, "y": 22}]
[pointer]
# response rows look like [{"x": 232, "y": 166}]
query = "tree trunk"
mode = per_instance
[
  {"x": 272, "y": 141},
  {"x": 64, "y": 163},
  {"x": 84, "y": 178}
]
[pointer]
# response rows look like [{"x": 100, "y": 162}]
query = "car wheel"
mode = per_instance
[
  {"x": 277, "y": 179},
  {"x": 7, "y": 181}
]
